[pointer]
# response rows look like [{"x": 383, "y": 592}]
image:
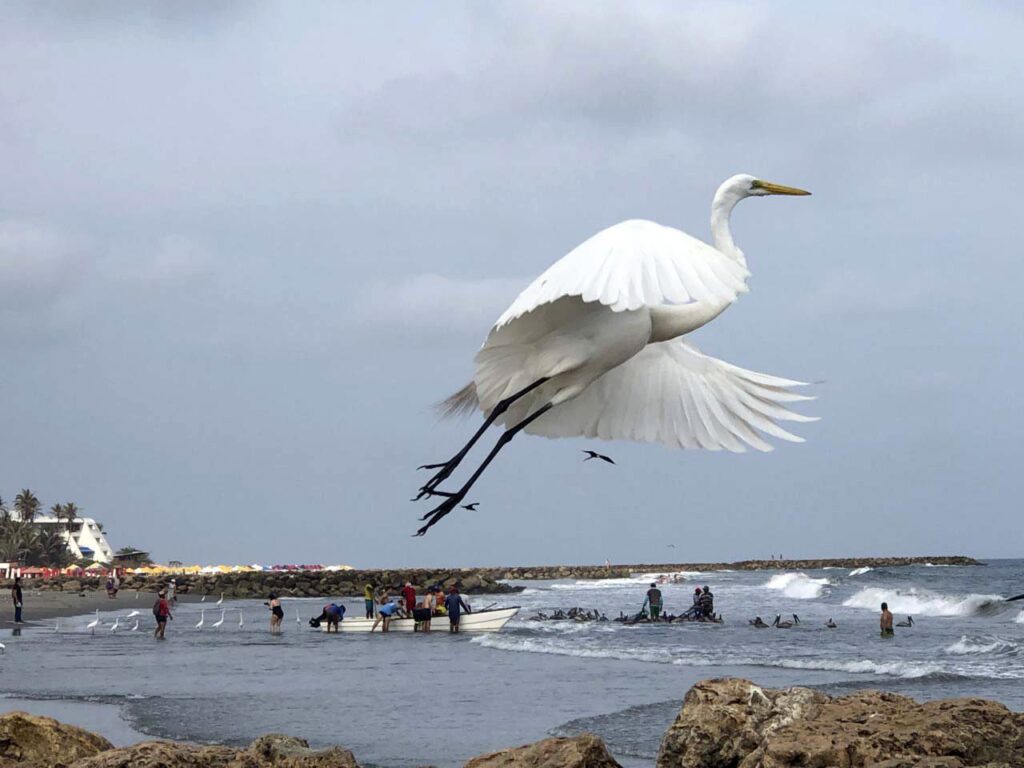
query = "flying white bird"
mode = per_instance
[
  {"x": 219, "y": 621},
  {"x": 94, "y": 623},
  {"x": 591, "y": 349},
  {"x": 132, "y": 614},
  {"x": 202, "y": 618}
]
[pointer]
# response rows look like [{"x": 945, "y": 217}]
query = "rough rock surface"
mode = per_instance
[
  {"x": 271, "y": 751},
  {"x": 28, "y": 739},
  {"x": 732, "y": 723},
  {"x": 583, "y": 751}
]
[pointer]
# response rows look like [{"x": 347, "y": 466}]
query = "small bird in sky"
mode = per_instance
[
  {"x": 471, "y": 507},
  {"x": 596, "y": 455},
  {"x": 670, "y": 546}
]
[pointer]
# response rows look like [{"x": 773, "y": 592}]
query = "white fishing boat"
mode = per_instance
[{"x": 488, "y": 620}]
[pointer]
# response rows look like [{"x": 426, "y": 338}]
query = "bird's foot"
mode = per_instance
[
  {"x": 430, "y": 492},
  {"x": 444, "y": 471},
  {"x": 442, "y": 509}
]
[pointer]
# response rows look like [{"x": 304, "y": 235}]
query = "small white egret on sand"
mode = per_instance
[
  {"x": 219, "y": 621},
  {"x": 202, "y": 599},
  {"x": 115, "y": 625},
  {"x": 202, "y": 618},
  {"x": 94, "y": 623},
  {"x": 241, "y": 620},
  {"x": 136, "y": 627},
  {"x": 298, "y": 621},
  {"x": 219, "y": 602},
  {"x": 591, "y": 349}
]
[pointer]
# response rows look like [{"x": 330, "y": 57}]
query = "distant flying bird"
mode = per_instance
[
  {"x": 591, "y": 349},
  {"x": 596, "y": 455},
  {"x": 671, "y": 546},
  {"x": 471, "y": 507},
  {"x": 132, "y": 614}
]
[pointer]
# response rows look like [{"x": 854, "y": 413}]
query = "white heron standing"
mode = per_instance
[
  {"x": 591, "y": 349},
  {"x": 91, "y": 626},
  {"x": 135, "y": 628},
  {"x": 221, "y": 601},
  {"x": 218, "y": 622},
  {"x": 202, "y": 618},
  {"x": 115, "y": 625},
  {"x": 241, "y": 620},
  {"x": 298, "y": 620}
]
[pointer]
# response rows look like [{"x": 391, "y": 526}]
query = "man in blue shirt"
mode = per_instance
[
  {"x": 385, "y": 613},
  {"x": 454, "y": 603}
]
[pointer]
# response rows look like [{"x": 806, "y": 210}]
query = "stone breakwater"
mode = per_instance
[
  {"x": 724, "y": 723},
  {"x": 469, "y": 580}
]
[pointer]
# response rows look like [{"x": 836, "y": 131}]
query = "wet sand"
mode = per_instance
[{"x": 45, "y": 606}]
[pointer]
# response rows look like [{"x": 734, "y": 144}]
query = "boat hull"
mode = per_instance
[{"x": 480, "y": 621}]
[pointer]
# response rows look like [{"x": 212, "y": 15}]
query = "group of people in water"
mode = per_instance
[
  {"x": 702, "y": 609},
  {"x": 381, "y": 606}
]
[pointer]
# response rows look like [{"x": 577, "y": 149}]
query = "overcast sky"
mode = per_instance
[{"x": 245, "y": 246}]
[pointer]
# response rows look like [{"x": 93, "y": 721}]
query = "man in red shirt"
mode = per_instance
[
  {"x": 162, "y": 612},
  {"x": 409, "y": 595}
]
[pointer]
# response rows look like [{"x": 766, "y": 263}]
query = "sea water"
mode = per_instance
[{"x": 409, "y": 699}]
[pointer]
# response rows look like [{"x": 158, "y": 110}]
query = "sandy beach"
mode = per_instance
[{"x": 43, "y": 606}]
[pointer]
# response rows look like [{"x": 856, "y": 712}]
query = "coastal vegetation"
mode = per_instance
[{"x": 22, "y": 540}]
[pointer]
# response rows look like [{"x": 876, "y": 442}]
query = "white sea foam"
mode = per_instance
[
  {"x": 987, "y": 644},
  {"x": 1020, "y": 618},
  {"x": 798, "y": 585},
  {"x": 688, "y": 657},
  {"x": 919, "y": 602},
  {"x": 861, "y": 571}
]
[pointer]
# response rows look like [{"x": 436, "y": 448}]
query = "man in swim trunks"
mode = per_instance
[
  {"x": 885, "y": 623},
  {"x": 654, "y": 601},
  {"x": 385, "y": 613},
  {"x": 455, "y": 605}
]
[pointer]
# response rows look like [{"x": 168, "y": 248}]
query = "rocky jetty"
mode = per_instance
[
  {"x": 732, "y": 723},
  {"x": 471, "y": 581},
  {"x": 725, "y": 723}
]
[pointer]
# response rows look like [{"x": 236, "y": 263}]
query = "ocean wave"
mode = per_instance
[
  {"x": 798, "y": 585},
  {"x": 1020, "y": 618},
  {"x": 983, "y": 645},
  {"x": 691, "y": 657},
  {"x": 861, "y": 571},
  {"x": 914, "y": 602}
]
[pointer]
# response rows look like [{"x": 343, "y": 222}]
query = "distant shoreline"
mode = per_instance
[{"x": 46, "y": 601}]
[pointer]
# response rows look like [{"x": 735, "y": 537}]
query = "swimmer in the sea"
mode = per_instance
[{"x": 885, "y": 622}]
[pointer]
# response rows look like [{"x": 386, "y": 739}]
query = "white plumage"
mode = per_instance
[{"x": 591, "y": 348}]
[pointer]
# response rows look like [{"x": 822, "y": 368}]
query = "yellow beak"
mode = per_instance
[{"x": 778, "y": 189}]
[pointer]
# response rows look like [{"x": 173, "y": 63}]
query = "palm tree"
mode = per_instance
[
  {"x": 71, "y": 514},
  {"x": 4, "y": 514},
  {"x": 26, "y": 505},
  {"x": 49, "y": 548},
  {"x": 16, "y": 540}
]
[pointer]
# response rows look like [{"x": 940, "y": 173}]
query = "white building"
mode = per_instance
[{"x": 86, "y": 540}]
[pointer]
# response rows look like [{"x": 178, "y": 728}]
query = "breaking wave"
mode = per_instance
[
  {"x": 918, "y": 602},
  {"x": 683, "y": 657},
  {"x": 983, "y": 645},
  {"x": 798, "y": 585},
  {"x": 861, "y": 571},
  {"x": 1020, "y": 618}
]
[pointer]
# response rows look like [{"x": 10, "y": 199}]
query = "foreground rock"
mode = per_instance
[
  {"x": 271, "y": 751},
  {"x": 30, "y": 740},
  {"x": 583, "y": 751},
  {"x": 732, "y": 723}
]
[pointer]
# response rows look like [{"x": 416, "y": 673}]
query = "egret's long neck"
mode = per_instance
[{"x": 721, "y": 210}]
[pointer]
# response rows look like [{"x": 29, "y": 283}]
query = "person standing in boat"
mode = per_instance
[
  {"x": 455, "y": 605},
  {"x": 368, "y": 600},
  {"x": 409, "y": 595},
  {"x": 654, "y": 602}
]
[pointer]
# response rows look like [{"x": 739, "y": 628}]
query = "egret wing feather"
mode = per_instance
[
  {"x": 635, "y": 264},
  {"x": 672, "y": 393}
]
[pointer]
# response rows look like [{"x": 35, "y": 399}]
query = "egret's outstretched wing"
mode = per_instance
[
  {"x": 634, "y": 264},
  {"x": 673, "y": 394}
]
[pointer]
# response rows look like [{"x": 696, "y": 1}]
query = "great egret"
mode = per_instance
[
  {"x": 202, "y": 618},
  {"x": 135, "y": 627},
  {"x": 115, "y": 625},
  {"x": 591, "y": 349},
  {"x": 94, "y": 623},
  {"x": 132, "y": 614},
  {"x": 241, "y": 620},
  {"x": 219, "y": 621},
  {"x": 221, "y": 601}
]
